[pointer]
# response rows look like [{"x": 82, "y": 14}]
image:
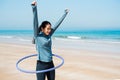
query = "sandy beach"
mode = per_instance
[{"x": 84, "y": 60}]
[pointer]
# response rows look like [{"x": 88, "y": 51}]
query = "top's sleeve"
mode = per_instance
[
  {"x": 35, "y": 20},
  {"x": 58, "y": 23}
]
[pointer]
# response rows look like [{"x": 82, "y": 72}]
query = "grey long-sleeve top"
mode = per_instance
[{"x": 43, "y": 42}]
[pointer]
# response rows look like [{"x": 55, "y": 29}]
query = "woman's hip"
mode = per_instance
[{"x": 44, "y": 65}]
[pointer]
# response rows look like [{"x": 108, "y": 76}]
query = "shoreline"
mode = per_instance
[{"x": 89, "y": 45}]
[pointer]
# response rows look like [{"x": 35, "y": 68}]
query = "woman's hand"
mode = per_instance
[
  {"x": 34, "y": 3},
  {"x": 66, "y": 10}
]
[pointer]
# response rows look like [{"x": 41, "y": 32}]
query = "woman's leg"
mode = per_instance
[
  {"x": 40, "y": 66},
  {"x": 51, "y": 74}
]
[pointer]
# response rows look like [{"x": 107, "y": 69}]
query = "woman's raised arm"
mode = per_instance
[
  {"x": 35, "y": 19},
  {"x": 59, "y": 21}
]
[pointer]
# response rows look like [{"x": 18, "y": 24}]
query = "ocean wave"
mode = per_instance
[
  {"x": 68, "y": 38},
  {"x": 21, "y": 39},
  {"x": 15, "y": 38},
  {"x": 6, "y": 36},
  {"x": 73, "y": 37}
]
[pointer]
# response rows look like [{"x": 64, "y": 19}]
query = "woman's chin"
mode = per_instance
[{"x": 47, "y": 34}]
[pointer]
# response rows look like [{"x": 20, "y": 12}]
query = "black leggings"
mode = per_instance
[{"x": 42, "y": 66}]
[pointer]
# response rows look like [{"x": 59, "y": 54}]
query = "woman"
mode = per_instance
[{"x": 42, "y": 37}]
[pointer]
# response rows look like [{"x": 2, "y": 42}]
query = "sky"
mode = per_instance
[{"x": 83, "y": 15}]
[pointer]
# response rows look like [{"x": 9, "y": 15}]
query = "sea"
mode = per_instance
[{"x": 27, "y": 35}]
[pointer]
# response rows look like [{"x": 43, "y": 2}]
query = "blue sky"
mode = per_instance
[{"x": 84, "y": 14}]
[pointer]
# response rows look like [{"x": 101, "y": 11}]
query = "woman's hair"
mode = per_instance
[{"x": 43, "y": 25}]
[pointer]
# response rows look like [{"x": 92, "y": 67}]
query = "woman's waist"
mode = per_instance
[{"x": 44, "y": 61}]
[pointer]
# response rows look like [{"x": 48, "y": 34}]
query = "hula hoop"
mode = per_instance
[{"x": 41, "y": 71}]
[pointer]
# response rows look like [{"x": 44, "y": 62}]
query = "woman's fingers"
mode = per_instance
[
  {"x": 67, "y": 10},
  {"x": 34, "y": 3}
]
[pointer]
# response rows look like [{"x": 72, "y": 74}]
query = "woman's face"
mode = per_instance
[{"x": 47, "y": 29}]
